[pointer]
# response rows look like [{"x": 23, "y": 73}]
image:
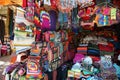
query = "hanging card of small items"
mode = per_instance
[{"x": 113, "y": 13}]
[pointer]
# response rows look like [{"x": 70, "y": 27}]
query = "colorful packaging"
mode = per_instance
[
  {"x": 106, "y": 11},
  {"x": 113, "y": 13},
  {"x": 70, "y": 73}
]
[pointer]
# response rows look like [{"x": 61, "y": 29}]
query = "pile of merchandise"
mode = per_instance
[
  {"x": 97, "y": 57},
  {"x": 43, "y": 56}
]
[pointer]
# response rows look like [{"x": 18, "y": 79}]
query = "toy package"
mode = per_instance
[{"x": 33, "y": 68}]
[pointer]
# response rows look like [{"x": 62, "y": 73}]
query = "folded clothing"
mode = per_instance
[
  {"x": 82, "y": 49},
  {"x": 102, "y": 53},
  {"x": 93, "y": 52},
  {"x": 109, "y": 74},
  {"x": 95, "y": 58},
  {"x": 107, "y": 48},
  {"x": 93, "y": 46},
  {"x": 84, "y": 52},
  {"x": 78, "y": 58},
  {"x": 83, "y": 44}
]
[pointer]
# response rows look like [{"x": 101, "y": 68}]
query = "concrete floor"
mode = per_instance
[{"x": 4, "y": 61}]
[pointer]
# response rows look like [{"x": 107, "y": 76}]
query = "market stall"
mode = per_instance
[{"x": 72, "y": 40}]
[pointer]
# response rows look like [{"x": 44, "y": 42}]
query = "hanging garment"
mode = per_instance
[
  {"x": 29, "y": 15},
  {"x": 47, "y": 36},
  {"x": 47, "y": 4},
  {"x": 36, "y": 20},
  {"x": 57, "y": 37},
  {"x": 53, "y": 4},
  {"x": 98, "y": 11},
  {"x": 38, "y": 36},
  {"x": 64, "y": 35},
  {"x": 85, "y": 3},
  {"x": 80, "y": 13},
  {"x": 52, "y": 36},
  {"x": 66, "y": 6},
  {"x": 74, "y": 15},
  {"x": 39, "y": 3},
  {"x": 45, "y": 20},
  {"x": 62, "y": 18},
  {"x": 53, "y": 20},
  {"x": 89, "y": 11},
  {"x": 113, "y": 13}
]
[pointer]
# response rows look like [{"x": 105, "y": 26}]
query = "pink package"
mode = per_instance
[{"x": 106, "y": 11}]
